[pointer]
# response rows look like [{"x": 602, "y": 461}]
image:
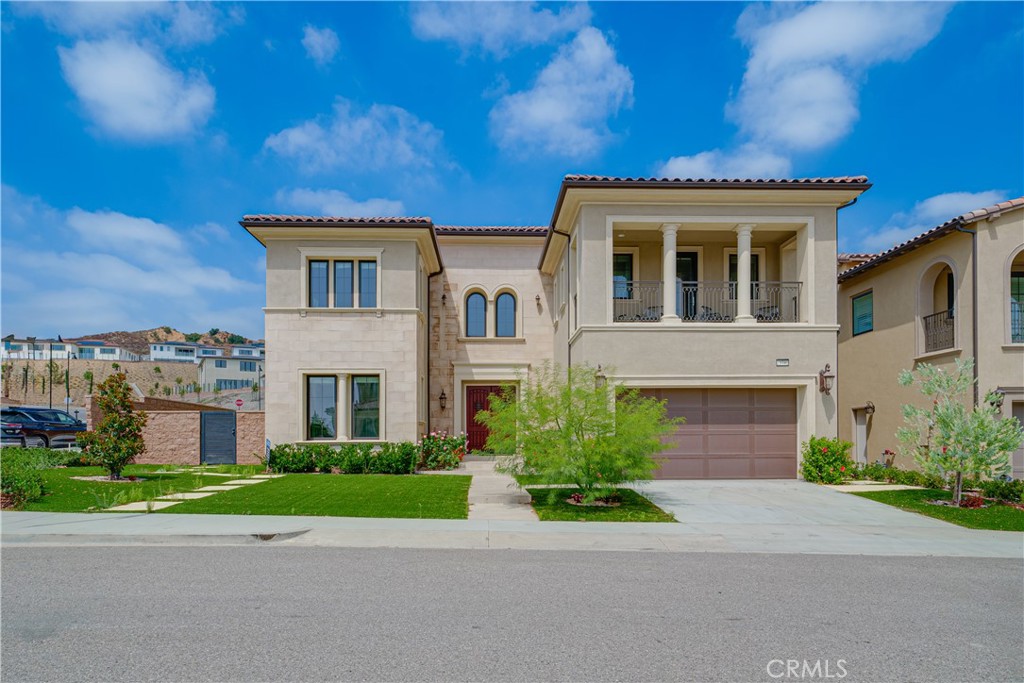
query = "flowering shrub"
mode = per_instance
[
  {"x": 442, "y": 451},
  {"x": 825, "y": 461},
  {"x": 970, "y": 501}
]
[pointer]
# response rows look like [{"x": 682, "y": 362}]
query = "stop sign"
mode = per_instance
[{"x": 239, "y": 402}]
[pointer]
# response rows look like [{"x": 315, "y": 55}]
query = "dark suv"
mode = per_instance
[{"x": 45, "y": 427}]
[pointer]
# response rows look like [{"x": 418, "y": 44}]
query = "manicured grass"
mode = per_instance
[
  {"x": 995, "y": 516},
  {"x": 633, "y": 508},
  {"x": 61, "y": 493},
  {"x": 342, "y": 495}
]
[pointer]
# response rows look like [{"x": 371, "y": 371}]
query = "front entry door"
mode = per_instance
[
  {"x": 686, "y": 272},
  {"x": 477, "y": 399}
]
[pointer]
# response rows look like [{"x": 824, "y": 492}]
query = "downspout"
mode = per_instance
[{"x": 974, "y": 300}]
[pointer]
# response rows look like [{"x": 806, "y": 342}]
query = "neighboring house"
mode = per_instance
[
  {"x": 247, "y": 351},
  {"x": 229, "y": 373},
  {"x": 208, "y": 352},
  {"x": 716, "y": 296},
  {"x": 180, "y": 352},
  {"x": 953, "y": 292},
  {"x": 51, "y": 349}
]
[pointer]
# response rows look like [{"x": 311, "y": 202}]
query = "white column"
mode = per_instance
[
  {"x": 743, "y": 273},
  {"x": 668, "y": 273}
]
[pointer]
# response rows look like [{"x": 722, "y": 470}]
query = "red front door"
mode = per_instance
[{"x": 477, "y": 399}]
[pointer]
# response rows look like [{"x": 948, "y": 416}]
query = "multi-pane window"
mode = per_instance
[
  {"x": 1017, "y": 307},
  {"x": 321, "y": 407},
  {"x": 622, "y": 274},
  {"x": 220, "y": 363},
  {"x": 505, "y": 311},
  {"x": 247, "y": 366},
  {"x": 476, "y": 315},
  {"x": 863, "y": 313},
  {"x": 353, "y": 283},
  {"x": 365, "y": 392},
  {"x": 108, "y": 352}
]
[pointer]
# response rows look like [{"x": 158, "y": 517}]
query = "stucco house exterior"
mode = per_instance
[
  {"x": 953, "y": 292},
  {"x": 717, "y": 296}
]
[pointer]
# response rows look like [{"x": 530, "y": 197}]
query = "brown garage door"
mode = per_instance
[{"x": 730, "y": 433}]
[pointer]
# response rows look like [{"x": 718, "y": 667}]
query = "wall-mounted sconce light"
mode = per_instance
[
  {"x": 826, "y": 379},
  {"x": 444, "y": 299},
  {"x": 869, "y": 408},
  {"x": 537, "y": 299},
  {"x": 996, "y": 398},
  {"x": 600, "y": 379},
  {"x": 443, "y": 400}
]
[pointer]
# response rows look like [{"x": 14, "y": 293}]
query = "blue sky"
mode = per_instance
[{"x": 134, "y": 136}]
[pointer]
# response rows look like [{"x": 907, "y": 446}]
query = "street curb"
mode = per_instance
[{"x": 20, "y": 540}]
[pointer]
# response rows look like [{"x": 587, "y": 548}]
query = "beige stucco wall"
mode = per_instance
[
  {"x": 304, "y": 341},
  {"x": 490, "y": 265},
  {"x": 903, "y": 291}
]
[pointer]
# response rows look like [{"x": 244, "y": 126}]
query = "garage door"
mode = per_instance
[{"x": 730, "y": 434}]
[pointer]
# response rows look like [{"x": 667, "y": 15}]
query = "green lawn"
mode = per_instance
[
  {"x": 995, "y": 516},
  {"x": 342, "y": 495},
  {"x": 61, "y": 493},
  {"x": 634, "y": 508}
]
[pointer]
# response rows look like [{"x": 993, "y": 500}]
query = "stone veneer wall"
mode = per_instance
[
  {"x": 250, "y": 444},
  {"x": 172, "y": 438}
]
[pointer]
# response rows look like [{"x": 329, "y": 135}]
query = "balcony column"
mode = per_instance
[
  {"x": 668, "y": 273},
  {"x": 743, "y": 274}
]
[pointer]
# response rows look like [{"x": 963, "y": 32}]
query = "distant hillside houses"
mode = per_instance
[
  {"x": 31, "y": 348},
  {"x": 190, "y": 352}
]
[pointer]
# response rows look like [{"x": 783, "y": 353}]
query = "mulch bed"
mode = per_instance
[
  {"x": 105, "y": 478},
  {"x": 577, "y": 499}
]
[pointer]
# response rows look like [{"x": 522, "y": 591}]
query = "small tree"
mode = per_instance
[
  {"x": 167, "y": 390},
  {"x": 88, "y": 376},
  {"x": 236, "y": 339},
  {"x": 949, "y": 438},
  {"x": 8, "y": 368},
  {"x": 115, "y": 366},
  {"x": 55, "y": 373},
  {"x": 214, "y": 331},
  {"x": 193, "y": 337},
  {"x": 157, "y": 370},
  {"x": 572, "y": 427},
  {"x": 117, "y": 439}
]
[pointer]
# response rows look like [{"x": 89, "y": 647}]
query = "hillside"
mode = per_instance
[{"x": 139, "y": 341}]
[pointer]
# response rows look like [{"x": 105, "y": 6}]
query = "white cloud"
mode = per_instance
[
  {"x": 132, "y": 93},
  {"x": 111, "y": 271},
  {"x": 801, "y": 85},
  {"x": 566, "y": 111},
  {"x": 496, "y": 27},
  {"x": 927, "y": 214},
  {"x": 335, "y": 203},
  {"x": 749, "y": 161},
  {"x": 172, "y": 23},
  {"x": 321, "y": 44},
  {"x": 384, "y": 137}
]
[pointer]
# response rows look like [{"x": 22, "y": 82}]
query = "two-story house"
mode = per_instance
[
  {"x": 954, "y": 292},
  {"x": 716, "y": 296}
]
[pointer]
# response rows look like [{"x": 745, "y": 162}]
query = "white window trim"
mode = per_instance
[
  {"x": 343, "y": 407},
  {"x": 331, "y": 254},
  {"x": 463, "y": 311},
  {"x": 508, "y": 289}
]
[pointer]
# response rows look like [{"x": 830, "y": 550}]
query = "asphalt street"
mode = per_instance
[{"x": 266, "y": 613}]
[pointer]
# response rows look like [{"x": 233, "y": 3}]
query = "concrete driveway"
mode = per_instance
[{"x": 794, "y": 516}]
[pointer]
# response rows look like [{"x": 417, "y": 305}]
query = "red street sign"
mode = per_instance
[{"x": 239, "y": 402}]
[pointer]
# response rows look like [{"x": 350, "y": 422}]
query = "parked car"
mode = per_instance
[
  {"x": 43, "y": 427},
  {"x": 13, "y": 434}
]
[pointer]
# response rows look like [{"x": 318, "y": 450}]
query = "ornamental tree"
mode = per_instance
[
  {"x": 571, "y": 427},
  {"x": 117, "y": 439},
  {"x": 951, "y": 439}
]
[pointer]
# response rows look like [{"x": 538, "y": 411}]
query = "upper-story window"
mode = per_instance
[
  {"x": 755, "y": 272},
  {"x": 1017, "y": 299},
  {"x": 354, "y": 283},
  {"x": 863, "y": 313},
  {"x": 622, "y": 274},
  {"x": 108, "y": 352},
  {"x": 220, "y": 363},
  {"x": 476, "y": 315},
  {"x": 247, "y": 366},
  {"x": 505, "y": 310}
]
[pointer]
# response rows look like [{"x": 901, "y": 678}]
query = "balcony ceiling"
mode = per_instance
[{"x": 697, "y": 233}]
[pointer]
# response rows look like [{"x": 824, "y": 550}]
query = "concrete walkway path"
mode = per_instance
[{"x": 496, "y": 496}]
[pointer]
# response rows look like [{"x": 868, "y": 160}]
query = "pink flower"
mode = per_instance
[{"x": 843, "y": 468}]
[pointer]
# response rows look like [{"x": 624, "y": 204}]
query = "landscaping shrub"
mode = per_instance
[
  {"x": 20, "y": 480},
  {"x": 1010, "y": 491},
  {"x": 289, "y": 458},
  {"x": 442, "y": 451},
  {"x": 117, "y": 439},
  {"x": 970, "y": 501},
  {"x": 354, "y": 458},
  {"x": 825, "y": 461},
  {"x": 325, "y": 457},
  {"x": 393, "y": 458}
]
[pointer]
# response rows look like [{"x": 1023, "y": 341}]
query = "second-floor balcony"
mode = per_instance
[
  {"x": 705, "y": 301},
  {"x": 938, "y": 331}
]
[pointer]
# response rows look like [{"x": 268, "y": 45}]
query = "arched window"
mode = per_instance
[
  {"x": 1016, "y": 299},
  {"x": 476, "y": 315},
  {"x": 506, "y": 315},
  {"x": 937, "y": 309}
]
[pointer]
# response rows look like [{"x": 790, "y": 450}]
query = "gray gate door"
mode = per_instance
[{"x": 217, "y": 438}]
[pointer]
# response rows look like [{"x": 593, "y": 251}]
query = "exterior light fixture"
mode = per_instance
[
  {"x": 869, "y": 408},
  {"x": 444, "y": 299},
  {"x": 600, "y": 379},
  {"x": 537, "y": 299},
  {"x": 995, "y": 399},
  {"x": 443, "y": 400},
  {"x": 825, "y": 380}
]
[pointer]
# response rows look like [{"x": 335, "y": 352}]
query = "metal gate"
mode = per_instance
[{"x": 217, "y": 438}]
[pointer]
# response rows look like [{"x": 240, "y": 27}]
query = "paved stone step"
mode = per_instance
[
  {"x": 498, "y": 498},
  {"x": 188, "y": 495},
  {"x": 144, "y": 506},
  {"x": 502, "y": 511}
]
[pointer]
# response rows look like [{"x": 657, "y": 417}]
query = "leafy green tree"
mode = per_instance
[
  {"x": 571, "y": 427},
  {"x": 951, "y": 439},
  {"x": 236, "y": 339},
  {"x": 167, "y": 390},
  {"x": 193, "y": 337},
  {"x": 214, "y": 331},
  {"x": 115, "y": 366},
  {"x": 117, "y": 439},
  {"x": 166, "y": 329},
  {"x": 8, "y": 368},
  {"x": 157, "y": 370},
  {"x": 88, "y": 377},
  {"x": 55, "y": 373}
]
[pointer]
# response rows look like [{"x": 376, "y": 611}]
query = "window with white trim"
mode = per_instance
[
  {"x": 342, "y": 283},
  {"x": 505, "y": 315}
]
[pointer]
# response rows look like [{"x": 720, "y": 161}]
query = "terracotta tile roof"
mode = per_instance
[
  {"x": 934, "y": 234},
  {"x": 847, "y": 257},
  {"x": 350, "y": 220},
  {"x": 491, "y": 229},
  {"x": 838, "y": 180}
]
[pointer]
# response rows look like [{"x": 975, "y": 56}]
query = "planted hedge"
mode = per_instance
[{"x": 437, "y": 451}]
